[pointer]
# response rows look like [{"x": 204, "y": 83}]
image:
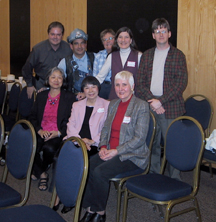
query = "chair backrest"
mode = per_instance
[
  {"x": 184, "y": 143},
  {"x": 3, "y": 94},
  {"x": 25, "y": 104},
  {"x": 151, "y": 131},
  {"x": 20, "y": 150},
  {"x": 2, "y": 132},
  {"x": 14, "y": 97},
  {"x": 199, "y": 107},
  {"x": 71, "y": 173}
]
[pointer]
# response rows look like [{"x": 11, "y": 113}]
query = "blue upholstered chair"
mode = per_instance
[
  {"x": 120, "y": 179},
  {"x": 184, "y": 145},
  {"x": 1, "y": 132},
  {"x": 3, "y": 94},
  {"x": 11, "y": 116},
  {"x": 199, "y": 107},
  {"x": 25, "y": 104},
  {"x": 20, "y": 154},
  {"x": 70, "y": 179}
]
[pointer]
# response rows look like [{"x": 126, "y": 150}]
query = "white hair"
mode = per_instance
[{"x": 125, "y": 75}]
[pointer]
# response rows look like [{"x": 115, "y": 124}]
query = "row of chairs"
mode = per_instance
[
  {"x": 188, "y": 133},
  {"x": 18, "y": 104},
  {"x": 70, "y": 179}
]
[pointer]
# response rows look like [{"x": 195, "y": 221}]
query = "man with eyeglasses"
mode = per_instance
[
  {"x": 79, "y": 64},
  {"x": 107, "y": 37},
  {"x": 162, "y": 78}
]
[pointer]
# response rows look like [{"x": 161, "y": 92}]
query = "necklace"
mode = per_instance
[{"x": 53, "y": 101}]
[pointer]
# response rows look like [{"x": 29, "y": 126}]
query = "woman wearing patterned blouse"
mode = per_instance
[{"x": 49, "y": 117}]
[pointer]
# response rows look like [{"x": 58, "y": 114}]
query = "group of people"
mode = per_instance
[{"x": 75, "y": 103}]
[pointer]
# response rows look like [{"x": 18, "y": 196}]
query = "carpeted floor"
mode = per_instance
[{"x": 139, "y": 211}]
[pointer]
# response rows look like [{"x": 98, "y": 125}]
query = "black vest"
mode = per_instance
[{"x": 72, "y": 74}]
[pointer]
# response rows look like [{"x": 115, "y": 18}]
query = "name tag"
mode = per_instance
[
  {"x": 100, "y": 110},
  {"x": 130, "y": 64},
  {"x": 126, "y": 119}
]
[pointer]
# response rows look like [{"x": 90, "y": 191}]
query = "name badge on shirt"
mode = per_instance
[
  {"x": 130, "y": 64},
  {"x": 126, "y": 119},
  {"x": 100, "y": 110}
]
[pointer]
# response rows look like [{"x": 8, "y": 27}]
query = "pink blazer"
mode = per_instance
[{"x": 96, "y": 120}]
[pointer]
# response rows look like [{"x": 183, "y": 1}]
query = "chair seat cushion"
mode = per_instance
[
  {"x": 158, "y": 187},
  {"x": 128, "y": 173},
  {"x": 31, "y": 213},
  {"x": 209, "y": 155},
  {"x": 8, "y": 196}
]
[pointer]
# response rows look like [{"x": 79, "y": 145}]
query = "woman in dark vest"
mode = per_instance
[{"x": 124, "y": 56}]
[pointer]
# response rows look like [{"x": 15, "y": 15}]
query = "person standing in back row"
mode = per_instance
[
  {"x": 44, "y": 56},
  {"x": 161, "y": 80},
  {"x": 107, "y": 38},
  {"x": 79, "y": 64},
  {"x": 124, "y": 56}
]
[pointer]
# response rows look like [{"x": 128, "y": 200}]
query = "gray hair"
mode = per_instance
[{"x": 51, "y": 71}]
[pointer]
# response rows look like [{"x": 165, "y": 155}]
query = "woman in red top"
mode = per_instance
[
  {"x": 49, "y": 117},
  {"x": 122, "y": 146}
]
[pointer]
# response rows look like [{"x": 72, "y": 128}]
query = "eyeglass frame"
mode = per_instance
[
  {"x": 160, "y": 32},
  {"x": 110, "y": 38}
]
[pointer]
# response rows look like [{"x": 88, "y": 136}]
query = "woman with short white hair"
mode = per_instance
[{"x": 122, "y": 146}]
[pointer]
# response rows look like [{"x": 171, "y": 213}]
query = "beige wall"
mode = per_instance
[
  {"x": 197, "y": 39},
  {"x": 4, "y": 38},
  {"x": 72, "y": 14},
  {"x": 196, "y": 35}
]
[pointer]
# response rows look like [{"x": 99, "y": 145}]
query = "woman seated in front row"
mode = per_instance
[
  {"x": 49, "y": 117},
  {"x": 88, "y": 115},
  {"x": 87, "y": 120},
  {"x": 122, "y": 146}
]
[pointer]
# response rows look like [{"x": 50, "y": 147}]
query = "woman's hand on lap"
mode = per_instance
[{"x": 108, "y": 154}]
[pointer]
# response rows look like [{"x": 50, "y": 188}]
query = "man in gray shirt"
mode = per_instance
[{"x": 44, "y": 56}]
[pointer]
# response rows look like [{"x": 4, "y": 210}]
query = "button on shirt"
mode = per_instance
[{"x": 99, "y": 61}]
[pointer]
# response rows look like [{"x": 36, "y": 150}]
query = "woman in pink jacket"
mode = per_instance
[
  {"x": 88, "y": 115},
  {"x": 87, "y": 120}
]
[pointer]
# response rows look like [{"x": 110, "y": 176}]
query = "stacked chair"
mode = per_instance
[
  {"x": 70, "y": 179},
  {"x": 183, "y": 149}
]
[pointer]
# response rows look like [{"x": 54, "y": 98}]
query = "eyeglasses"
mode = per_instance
[
  {"x": 162, "y": 32},
  {"x": 110, "y": 38}
]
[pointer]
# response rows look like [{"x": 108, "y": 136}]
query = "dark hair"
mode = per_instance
[
  {"x": 51, "y": 71},
  {"x": 55, "y": 25},
  {"x": 161, "y": 22},
  {"x": 133, "y": 43},
  {"x": 105, "y": 31},
  {"x": 90, "y": 80}
]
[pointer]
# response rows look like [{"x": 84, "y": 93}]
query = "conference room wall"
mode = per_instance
[{"x": 196, "y": 36}]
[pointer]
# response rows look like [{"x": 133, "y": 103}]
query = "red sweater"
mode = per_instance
[{"x": 116, "y": 124}]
